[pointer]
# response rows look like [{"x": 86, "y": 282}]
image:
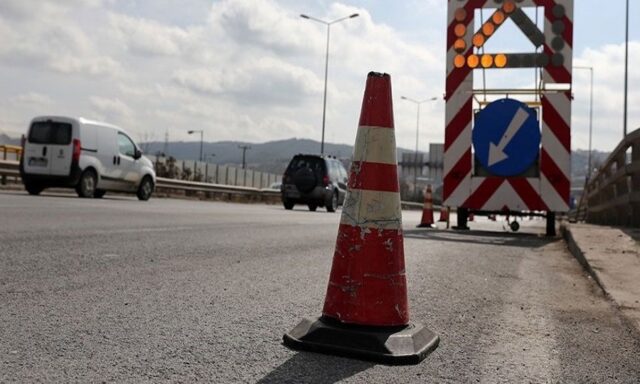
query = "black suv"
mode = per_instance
[{"x": 314, "y": 180}]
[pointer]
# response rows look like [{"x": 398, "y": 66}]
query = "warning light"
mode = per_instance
[
  {"x": 459, "y": 61},
  {"x": 460, "y": 45},
  {"x": 478, "y": 40},
  {"x": 460, "y": 14},
  {"x": 501, "y": 60},
  {"x": 488, "y": 29},
  {"x": 473, "y": 61},
  {"x": 498, "y": 17},
  {"x": 509, "y": 6},
  {"x": 460, "y": 30},
  {"x": 487, "y": 61}
]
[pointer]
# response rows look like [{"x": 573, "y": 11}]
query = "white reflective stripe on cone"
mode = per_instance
[
  {"x": 375, "y": 145},
  {"x": 372, "y": 209}
]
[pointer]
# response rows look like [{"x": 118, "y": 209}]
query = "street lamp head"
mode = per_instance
[
  {"x": 304, "y": 16},
  {"x": 190, "y": 132},
  {"x": 354, "y": 15},
  {"x": 404, "y": 98}
]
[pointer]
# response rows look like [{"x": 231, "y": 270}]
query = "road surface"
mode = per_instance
[{"x": 117, "y": 290}]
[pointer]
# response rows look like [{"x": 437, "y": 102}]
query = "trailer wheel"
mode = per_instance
[{"x": 515, "y": 226}]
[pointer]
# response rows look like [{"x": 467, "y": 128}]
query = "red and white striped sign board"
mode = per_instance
[{"x": 549, "y": 188}]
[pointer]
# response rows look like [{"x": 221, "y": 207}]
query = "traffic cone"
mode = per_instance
[
  {"x": 471, "y": 217},
  {"x": 365, "y": 312},
  {"x": 444, "y": 214},
  {"x": 427, "y": 210}
]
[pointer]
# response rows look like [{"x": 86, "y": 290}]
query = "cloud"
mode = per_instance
[
  {"x": 148, "y": 37},
  {"x": 33, "y": 99},
  {"x": 252, "y": 70},
  {"x": 111, "y": 108},
  {"x": 50, "y": 38}
]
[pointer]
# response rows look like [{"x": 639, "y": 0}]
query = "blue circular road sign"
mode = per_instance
[{"x": 506, "y": 137}]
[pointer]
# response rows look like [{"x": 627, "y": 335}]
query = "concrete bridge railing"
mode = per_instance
[{"x": 613, "y": 193}]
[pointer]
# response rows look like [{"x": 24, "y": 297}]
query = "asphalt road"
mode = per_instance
[{"x": 117, "y": 290}]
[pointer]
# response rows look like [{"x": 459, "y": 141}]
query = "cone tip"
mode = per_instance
[{"x": 378, "y": 74}]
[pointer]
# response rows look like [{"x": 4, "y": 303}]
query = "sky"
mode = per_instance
[{"x": 253, "y": 70}]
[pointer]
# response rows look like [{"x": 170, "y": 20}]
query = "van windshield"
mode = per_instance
[{"x": 50, "y": 132}]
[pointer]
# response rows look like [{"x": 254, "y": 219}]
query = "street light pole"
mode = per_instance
[
  {"x": 201, "y": 138},
  {"x": 626, "y": 73},
  {"x": 326, "y": 67},
  {"x": 590, "y": 119},
  {"x": 418, "y": 103}
]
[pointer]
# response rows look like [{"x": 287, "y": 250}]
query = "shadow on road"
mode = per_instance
[
  {"x": 510, "y": 239},
  {"x": 307, "y": 367}
]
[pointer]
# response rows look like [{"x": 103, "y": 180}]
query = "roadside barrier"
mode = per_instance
[
  {"x": 365, "y": 313},
  {"x": 427, "y": 210}
]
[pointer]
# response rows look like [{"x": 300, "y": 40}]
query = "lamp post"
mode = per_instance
[
  {"x": 326, "y": 67},
  {"x": 244, "y": 154},
  {"x": 626, "y": 73},
  {"x": 418, "y": 103},
  {"x": 201, "y": 137},
  {"x": 590, "y": 117}
]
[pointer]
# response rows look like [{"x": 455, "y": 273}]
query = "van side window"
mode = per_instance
[{"x": 125, "y": 145}]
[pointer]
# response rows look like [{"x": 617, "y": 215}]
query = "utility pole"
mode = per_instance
[
  {"x": 244, "y": 148},
  {"x": 166, "y": 144}
]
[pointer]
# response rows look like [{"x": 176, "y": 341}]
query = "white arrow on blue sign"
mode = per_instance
[{"x": 506, "y": 137}]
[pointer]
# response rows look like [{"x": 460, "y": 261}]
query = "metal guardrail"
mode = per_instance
[
  {"x": 10, "y": 168},
  {"x": 613, "y": 193},
  {"x": 7, "y": 149}
]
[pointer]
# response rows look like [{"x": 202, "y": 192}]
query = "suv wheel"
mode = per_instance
[
  {"x": 313, "y": 207},
  {"x": 332, "y": 204},
  {"x": 288, "y": 205},
  {"x": 87, "y": 185}
]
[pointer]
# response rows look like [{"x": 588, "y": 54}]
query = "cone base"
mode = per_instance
[
  {"x": 425, "y": 226},
  {"x": 388, "y": 345}
]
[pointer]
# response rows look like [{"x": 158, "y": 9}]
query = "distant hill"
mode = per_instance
[{"x": 8, "y": 140}]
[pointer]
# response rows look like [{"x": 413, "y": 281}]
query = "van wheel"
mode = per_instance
[
  {"x": 33, "y": 189},
  {"x": 86, "y": 187},
  {"x": 145, "y": 189},
  {"x": 99, "y": 193},
  {"x": 333, "y": 203}
]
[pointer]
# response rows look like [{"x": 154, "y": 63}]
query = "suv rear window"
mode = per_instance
[
  {"x": 50, "y": 132},
  {"x": 314, "y": 163}
]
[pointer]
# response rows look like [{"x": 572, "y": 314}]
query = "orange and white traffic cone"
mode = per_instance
[
  {"x": 427, "y": 209},
  {"x": 444, "y": 214},
  {"x": 365, "y": 312}
]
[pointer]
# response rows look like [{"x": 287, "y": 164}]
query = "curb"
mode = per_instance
[
  {"x": 573, "y": 247},
  {"x": 575, "y": 250}
]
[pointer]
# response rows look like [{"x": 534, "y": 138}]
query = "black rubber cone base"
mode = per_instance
[
  {"x": 425, "y": 226},
  {"x": 389, "y": 345}
]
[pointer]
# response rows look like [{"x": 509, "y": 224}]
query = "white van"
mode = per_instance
[{"x": 89, "y": 156}]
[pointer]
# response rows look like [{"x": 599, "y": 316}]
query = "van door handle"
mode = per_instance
[
  {"x": 118, "y": 160},
  {"x": 114, "y": 160},
  {"x": 44, "y": 151}
]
